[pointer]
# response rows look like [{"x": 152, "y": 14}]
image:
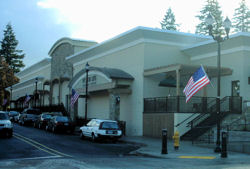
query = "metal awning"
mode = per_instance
[
  {"x": 181, "y": 73},
  {"x": 169, "y": 82},
  {"x": 186, "y": 70}
]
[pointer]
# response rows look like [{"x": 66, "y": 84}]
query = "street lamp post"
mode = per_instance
[
  {"x": 86, "y": 90},
  {"x": 218, "y": 38},
  {"x": 10, "y": 95},
  {"x": 36, "y": 90}
]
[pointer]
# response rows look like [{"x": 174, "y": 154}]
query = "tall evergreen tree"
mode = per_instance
[
  {"x": 168, "y": 21},
  {"x": 212, "y": 7},
  {"x": 241, "y": 19},
  {"x": 8, "y": 51}
]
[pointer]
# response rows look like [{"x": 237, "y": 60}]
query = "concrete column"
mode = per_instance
[
  {"x": 114, "y": 106},
  {"x": 177, "y": 82},
  {"x": 59, "y": 91}
]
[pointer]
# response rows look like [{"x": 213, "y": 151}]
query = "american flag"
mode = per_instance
[
  {"x": 4, "y": 102},
  {"x": 27, "y": 99},
  {"x": 196, "y": 82},
  {"x": 74, "y": 97}
]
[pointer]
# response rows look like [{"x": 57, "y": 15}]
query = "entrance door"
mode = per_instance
[{"x": 236, "y": 88}]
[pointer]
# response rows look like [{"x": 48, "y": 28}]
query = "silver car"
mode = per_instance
[{"x": 6, "y": 127}]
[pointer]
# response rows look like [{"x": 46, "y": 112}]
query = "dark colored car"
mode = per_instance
[
  {"x": 13, "y": 116},
  {"x": 27, "y": 119},
  {"x": 28, "y": 116},
  {"x": 60, "y": 123},
  {"x": 32, "y": 111},
  {"x": 42, "y": 120}
]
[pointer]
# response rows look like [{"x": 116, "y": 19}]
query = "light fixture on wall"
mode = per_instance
[{"x": 36, "y": 80}]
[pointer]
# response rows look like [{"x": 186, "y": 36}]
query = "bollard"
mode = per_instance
[
  {"x": 224, "y": 145},
  {"x": 164, "y": 149}
]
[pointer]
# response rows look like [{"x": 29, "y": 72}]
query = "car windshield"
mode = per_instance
[
  {"x": 13, "y": 113},
  {"x": 109, "y": 125},
  {"x": 47, "y": 116},
  {"x": 3, "y": 116},
  {"x": 62, "y": 119},
  {"x": 30, "y": 115},
  {"x": 33, "y": 111},
  {"x": 57, "y": 113}
]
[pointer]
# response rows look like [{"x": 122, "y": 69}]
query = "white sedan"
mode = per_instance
[{"x": 101, "y": 129}]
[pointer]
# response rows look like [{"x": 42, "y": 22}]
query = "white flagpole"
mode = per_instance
[{"x": 207, "y": 76}]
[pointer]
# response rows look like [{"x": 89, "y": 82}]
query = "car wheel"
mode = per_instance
[
  {"x": 93, "y": 138},
  {"x": 81, "y": 135}
]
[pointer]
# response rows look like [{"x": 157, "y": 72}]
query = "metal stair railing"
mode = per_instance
[
  {"x": 189, "y": 117},
  {"x": 196, "y": 121}
]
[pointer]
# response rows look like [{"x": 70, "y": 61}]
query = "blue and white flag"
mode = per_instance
[
  {"x": 27, "y": 99},
  {"x": 4, "y": 102},
  {"x": 74, "y": 97}
]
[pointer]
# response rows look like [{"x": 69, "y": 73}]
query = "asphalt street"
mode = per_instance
[
  {"x": 29, "y": 142},
  {"x": 32, "y": 148}
]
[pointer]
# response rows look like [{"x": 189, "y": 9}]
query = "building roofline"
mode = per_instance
[
  {"x": 136, "y": 29},
  {"x": 37, "y": 63},
  {"x": 246, "y": 34},
  {"x": 69, "y": 40}
]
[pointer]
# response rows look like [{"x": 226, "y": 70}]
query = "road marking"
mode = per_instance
[
  {"x": 35, "y": 143},
  {"x": 37, "y": 158},
  {"x": 199, "y": 157}
]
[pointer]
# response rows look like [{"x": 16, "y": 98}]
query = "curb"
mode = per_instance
[{"x": 133, "y": 142}]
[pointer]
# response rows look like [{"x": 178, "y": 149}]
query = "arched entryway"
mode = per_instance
[{"x": 108, "y": 91}]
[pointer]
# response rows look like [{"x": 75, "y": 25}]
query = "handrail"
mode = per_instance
[
  {"x": 184, "y": 120},
  {"x": 203, "y": 114},
  {"x": 243, "y": 117}
]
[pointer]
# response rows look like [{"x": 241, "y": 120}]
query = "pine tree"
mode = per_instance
[
  {"x": 168, "y": 21},
  {"x": 8, "y": 51},
  {"x": 241, "y": 20},
  {"x": 7, "y": 78},
  {"x": 212, "y": 7}
]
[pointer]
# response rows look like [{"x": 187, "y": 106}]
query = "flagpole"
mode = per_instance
[{"x": 207, "y": 75}]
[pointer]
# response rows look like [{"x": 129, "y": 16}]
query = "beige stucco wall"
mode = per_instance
[
  {"x": 129, "y": 60},
  {"x": 43, "y": 71},
  {"x": 157, "y": 55}
]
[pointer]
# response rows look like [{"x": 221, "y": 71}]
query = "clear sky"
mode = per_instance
[{"x": 38, "y": 24}]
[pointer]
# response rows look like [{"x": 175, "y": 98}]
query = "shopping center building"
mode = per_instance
[{"x": 129, "y": 73}]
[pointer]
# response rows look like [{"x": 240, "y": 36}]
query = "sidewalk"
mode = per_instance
[{"x": 152, "y": 147}]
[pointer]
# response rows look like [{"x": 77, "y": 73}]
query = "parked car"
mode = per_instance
[
  {"x": 27, "y": 119},
  {"x": 60, "y": 123},
  {"x": 42, "y": 120},
  {"x": 56, "y": 113},
  {"x": 6, "y": 126},
  {"x": 13, "y": 115},
  {"x": 101, "y": 129},
  {"x": 31, "y": 111}
]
